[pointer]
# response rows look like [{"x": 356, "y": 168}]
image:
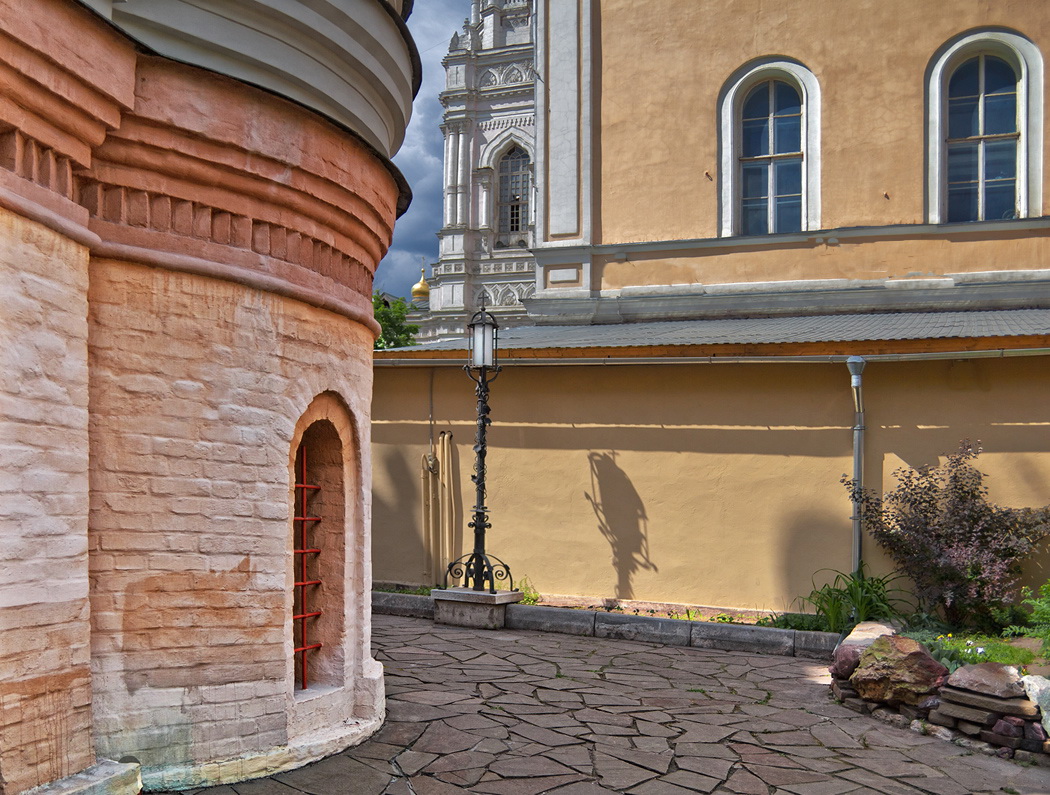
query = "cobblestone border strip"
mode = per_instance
[{"x": 665, "y": 631}]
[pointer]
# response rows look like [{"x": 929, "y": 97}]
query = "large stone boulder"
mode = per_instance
[
  {"x": 847, "y": 653},
  {"x": 896, "y": 670},
  {"x": 990, "y": 679}
]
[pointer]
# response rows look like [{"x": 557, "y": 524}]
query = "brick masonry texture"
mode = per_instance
[
  {"x": 196, "y": 388},
  {"x": 45, "y": 692}
]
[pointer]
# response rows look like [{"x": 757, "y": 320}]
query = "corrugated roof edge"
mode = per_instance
[{"x": 822, "y": 336}]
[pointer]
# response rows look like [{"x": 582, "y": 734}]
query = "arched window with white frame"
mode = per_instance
[
  {"x": 770, "y": 150},
  {"x": 985, "y": 129},
  {"x": 512, "y": 192}
]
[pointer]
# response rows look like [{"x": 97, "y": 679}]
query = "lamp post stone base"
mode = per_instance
[{"x": 465, "y": 607}]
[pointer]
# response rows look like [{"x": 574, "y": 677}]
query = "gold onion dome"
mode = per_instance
[{"x": 421, "y": 290}]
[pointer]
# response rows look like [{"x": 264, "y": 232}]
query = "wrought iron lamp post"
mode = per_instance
[
  {"x": 479, "y": 570},
  {"x": 856, "y": 367}
]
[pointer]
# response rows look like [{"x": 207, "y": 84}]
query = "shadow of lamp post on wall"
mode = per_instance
[{"x": 478, "y": 603}]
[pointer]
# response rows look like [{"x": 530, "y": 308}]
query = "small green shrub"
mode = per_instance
[
  {"x": 963, "y": 552},
  {"x": 852, "y": 598},
  {"x": 1036, "y": 625},
  {"x": 530, "y": 595}
]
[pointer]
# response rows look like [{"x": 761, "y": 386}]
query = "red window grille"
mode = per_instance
[{"x": 306, "y": 560}]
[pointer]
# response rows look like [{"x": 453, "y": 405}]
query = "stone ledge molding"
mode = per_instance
[
  {"x": 355, "y": 306},
  {"x": 47, "y": 208},
  {"x": 311, "y": 205},
  {"x": 145, "y": 220},
  {"x": 61, "y": 88}
]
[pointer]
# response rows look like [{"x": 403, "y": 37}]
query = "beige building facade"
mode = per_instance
[
  {"x": 720, "y": 224},
  {"x": 188, "y": 245}
]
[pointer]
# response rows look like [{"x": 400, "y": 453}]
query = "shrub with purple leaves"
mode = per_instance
[{"x": 963, "y": 552}]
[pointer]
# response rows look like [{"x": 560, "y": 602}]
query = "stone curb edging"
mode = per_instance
[
  {"x": 665, "y": 631},
  {"x": 106, "y": 777},
  {"x": 409, "y": 605}
]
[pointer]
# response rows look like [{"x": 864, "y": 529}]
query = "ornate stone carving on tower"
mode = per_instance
[{"x": 489, "y": 121}]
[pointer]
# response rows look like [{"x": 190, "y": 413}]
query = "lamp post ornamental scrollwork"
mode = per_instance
[{"x": 479, "y": 570}]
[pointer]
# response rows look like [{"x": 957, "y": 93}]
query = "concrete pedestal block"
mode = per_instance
[{"x": 463, "y": 607}]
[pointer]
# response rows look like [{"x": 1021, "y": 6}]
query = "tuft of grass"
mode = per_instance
[{"x": 807, "y": 622}]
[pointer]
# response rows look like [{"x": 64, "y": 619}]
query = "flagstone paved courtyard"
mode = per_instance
[{"x": 522, "y": 713}]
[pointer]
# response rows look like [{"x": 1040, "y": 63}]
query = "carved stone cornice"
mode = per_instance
[
  {"x": 205, "y": 175},
  {"x": 61, "y": 89}
]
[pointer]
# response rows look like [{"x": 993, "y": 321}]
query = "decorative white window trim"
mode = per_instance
[
  {"x": 489, "y": 160},
  {"x": 736, "y": 89},
  {"x": 1025, "y": 57},
  {"x": 510, "y": 137}
]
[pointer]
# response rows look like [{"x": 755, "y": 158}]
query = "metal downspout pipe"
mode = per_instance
[{"x": 856, "y": 367}]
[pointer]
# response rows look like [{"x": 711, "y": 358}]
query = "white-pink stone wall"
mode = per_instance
[
  {"x": 45, "y": 684},
  {"x": 197, "y": 389}
]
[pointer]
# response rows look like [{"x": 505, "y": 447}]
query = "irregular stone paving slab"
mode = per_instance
[{"x": 526, "y": 713}]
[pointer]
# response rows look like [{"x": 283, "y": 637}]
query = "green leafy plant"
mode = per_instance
[
  {"x": 1036, "y": 625},
  {"x": 855, "y": 597},
  {"x": 530, "y": 595},
  {"x": 722, "y": 618},
  {"x": 962, "y": 552},
  {"x": 391, "y": 316}
]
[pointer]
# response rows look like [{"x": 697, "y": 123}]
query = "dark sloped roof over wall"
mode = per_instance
[{"x": 1023, "y": 326}]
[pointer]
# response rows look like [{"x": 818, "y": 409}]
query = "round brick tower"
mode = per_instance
[{"x": 193, "y": 202}]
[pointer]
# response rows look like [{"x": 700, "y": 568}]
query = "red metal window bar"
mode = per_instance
[{"x": 304, "y": 584}]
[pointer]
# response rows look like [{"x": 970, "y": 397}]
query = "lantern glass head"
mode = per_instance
[{"x": 481, "y": 334}]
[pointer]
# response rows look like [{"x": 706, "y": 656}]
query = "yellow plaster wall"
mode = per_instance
[
  {"x": 699, "y": 484},
  {"x": 661, "y": 74}
]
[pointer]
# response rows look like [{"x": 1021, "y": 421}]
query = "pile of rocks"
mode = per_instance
[
  {"x": 988, "y": 707},
  {"x": 990, "y": 701}
]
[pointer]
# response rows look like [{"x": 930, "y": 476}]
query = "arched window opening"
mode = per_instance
[
  {"x": 985, "y": 129},
  {"x": 983, "y": 137},
  {"x": 771, "y": 159},
  {"x": 318, "y": 555},
  {"x": 513, "y": 196},
  {"x": 769, "y": 149}
]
